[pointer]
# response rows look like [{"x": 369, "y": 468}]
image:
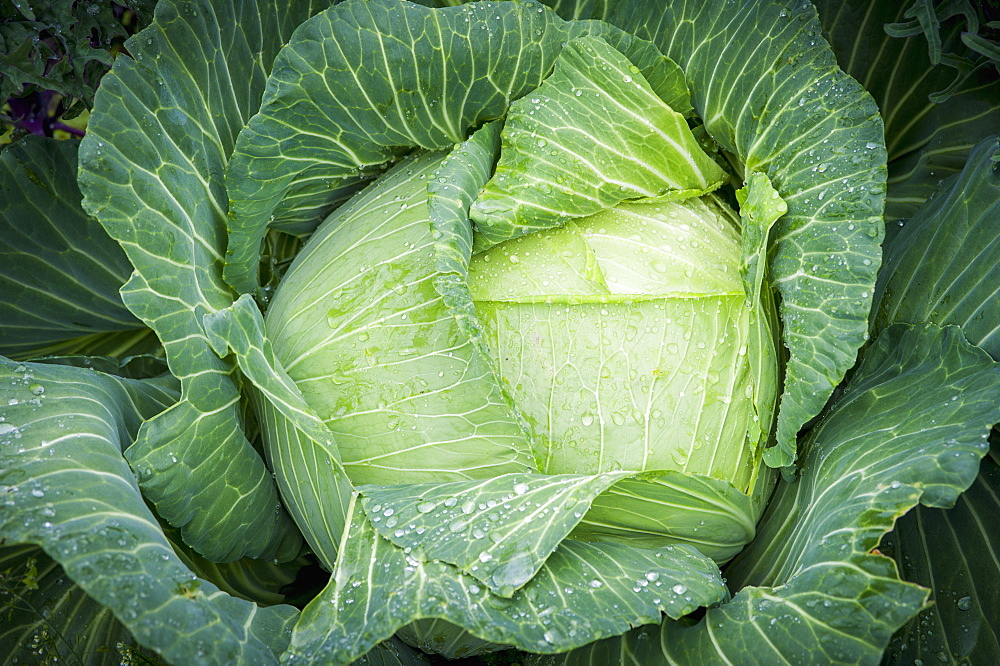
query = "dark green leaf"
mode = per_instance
[
  {"x": 62, "y": 45},
  {"x": 927, "y": 142},
  {"x": 944, "y": 265},
  {"x": 151, "y": 171},
  {"x": 47, "y": 618},
  {"x": 955, "y": 553},
  {"x": 67, "y": 488},
  {"x": 59, "y": 271}
]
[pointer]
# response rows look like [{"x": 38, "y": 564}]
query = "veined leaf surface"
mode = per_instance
[
  {"x": 67, "y": 488},
  {"x": 784, "y": 108},
  {"x": 151, "y": 168},
  {"x": 59, "y": 271},
  {"x": 378, "y": 587}
]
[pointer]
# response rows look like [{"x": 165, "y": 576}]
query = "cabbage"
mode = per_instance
[{"x": 357, "y": 331}]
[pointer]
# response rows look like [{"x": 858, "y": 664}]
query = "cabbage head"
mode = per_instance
[{"x": 634, "y": 338}]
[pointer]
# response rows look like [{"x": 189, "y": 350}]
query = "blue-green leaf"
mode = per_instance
[
  {"x": 59, "y": 271},
  {"x": 46, "y": 615},
  {"x": 944, "y": 266},
  {"x": 306, "y": 442},
  {"x": 927, "y": 142},
  {"x": 151, "y": 166},
  {"x": 954, "y": 552},
  {"x": 67, "y": 488}
]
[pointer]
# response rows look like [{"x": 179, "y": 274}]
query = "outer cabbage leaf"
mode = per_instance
[
  {"x": 46, "y": 615},
  {"x": 582, "y": 592},
  {"x": 953, "y": 551},
  {"x": 151, "y": 169},
  {"x": 59, "y": 271},
  {"x": 499, "y": 531},
  {"x": 943, "y": 267},
  {"x": 428, "y": 77},
  {"x": 927, "y": 142},
  {"x": 259, "y": 581},
  {"x": 813, "y": 590},
  {"x": 562, "y": 159},
  {"x": 68, "y": 489},
  {"x": 295, "y": 436},
  {"x": 782, "y": 107}
]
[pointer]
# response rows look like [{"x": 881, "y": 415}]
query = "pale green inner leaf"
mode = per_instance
[
  {"x": 592, "y": 135},
  {"x": 360, "y": 326},
  {"x": 499, "y": 531}
]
